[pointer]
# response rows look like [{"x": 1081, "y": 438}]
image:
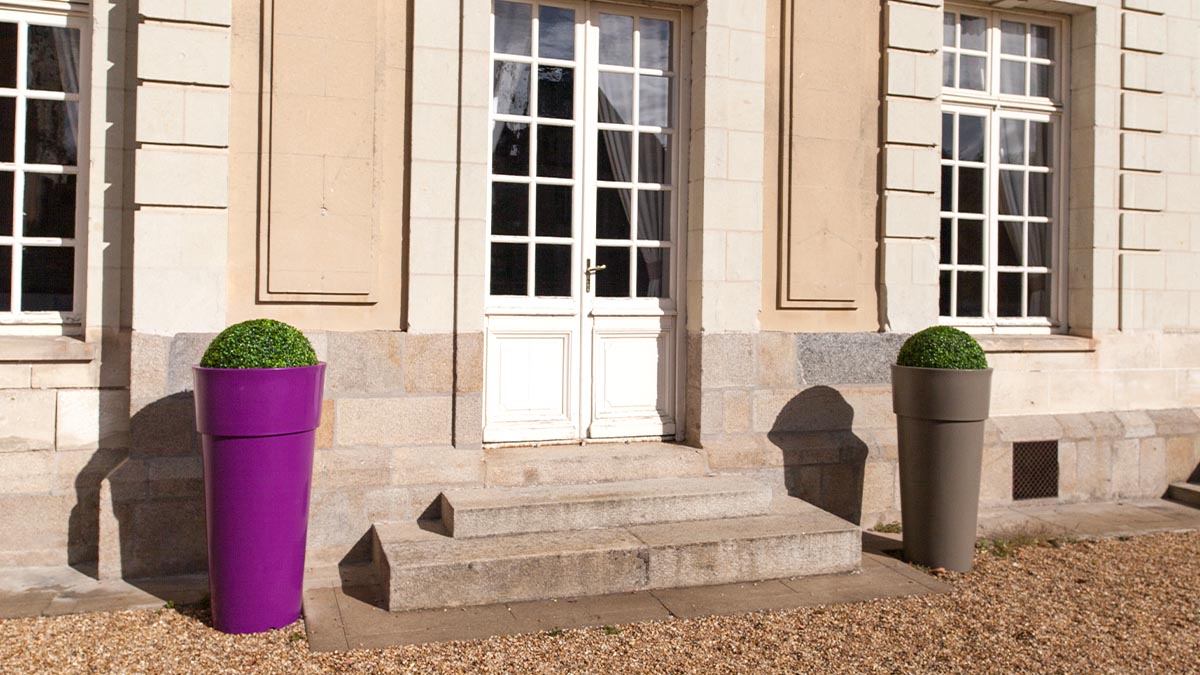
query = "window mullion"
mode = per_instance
[
  {"x": 18, "y": 222},
  {"x": 992, "y": 223}
]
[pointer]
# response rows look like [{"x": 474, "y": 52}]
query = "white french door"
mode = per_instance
[{"x": 584, "y": 260}]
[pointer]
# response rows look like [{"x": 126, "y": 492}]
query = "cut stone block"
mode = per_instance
[
  {"x": 1185, "y": 493},
  {"x": 497, "y": 511},
  {"x": 593, "y": 463}
]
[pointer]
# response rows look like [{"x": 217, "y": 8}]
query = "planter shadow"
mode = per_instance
[{"x": 823, "y": 460}]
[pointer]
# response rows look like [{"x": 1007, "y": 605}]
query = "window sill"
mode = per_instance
[
  {"x": 26, "y": 348},
  {"x": 1001, "y": 344}
]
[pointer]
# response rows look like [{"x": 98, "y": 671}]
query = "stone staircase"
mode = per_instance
[
  {"x": 1185, "y": 493},
  {"x": 643, "y": 526}
]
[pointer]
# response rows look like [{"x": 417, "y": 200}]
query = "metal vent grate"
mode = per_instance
[{"x": 1035, "y": 470}]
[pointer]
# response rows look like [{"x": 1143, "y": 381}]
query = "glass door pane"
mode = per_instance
[
  {"x": 535, "y": 134},
  {"x": 636, "y": 120}
]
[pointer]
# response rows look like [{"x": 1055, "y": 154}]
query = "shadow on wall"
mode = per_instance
[
  {"x": 822, "y": 458},
  {"x": 156, "y": 499}
]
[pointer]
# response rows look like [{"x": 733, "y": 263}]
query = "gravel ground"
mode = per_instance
[{"x": 1115, "y": 606}]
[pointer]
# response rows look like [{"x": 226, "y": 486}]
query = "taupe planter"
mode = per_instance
[{"x": 940, "y": 416}]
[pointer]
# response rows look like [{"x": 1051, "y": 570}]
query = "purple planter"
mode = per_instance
[{"x": 258, "y": 429}]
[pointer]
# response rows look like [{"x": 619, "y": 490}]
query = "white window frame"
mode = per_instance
[
  {"x": 17, "y": 321},
  {"x": 993, "y": 106}
]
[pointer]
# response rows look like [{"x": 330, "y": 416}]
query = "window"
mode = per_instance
[
  {"x": 41, "y": 187},
  {"x": 1003, "y": 183},
  {"x": 584, "y": 154}
]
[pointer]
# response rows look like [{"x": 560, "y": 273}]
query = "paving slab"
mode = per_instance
[
  {"x": 54, "y": 591},
  {"x": 602, "y": 610},
  {"x": 686, "y": 603},
  {"x": 323, "y": 620}
]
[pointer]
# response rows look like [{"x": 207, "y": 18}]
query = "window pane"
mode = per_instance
[
  {"x": 1008, "y": 294},
  {"x": 5, "y": 278},
  {"x": 654, "y": 215},
  {"x": 1039, "y": 144},
  {"x": 514, "y": 25},
  {"x": 50, "y": 132},
  {"x": 556, "y": 33},
  {"x": 653, "y": 272},
  {"x": 970, "y": 138},
  {"x": 554, "y": 211},
  {"x": 555, "y": 151},
  {"x": 1012, "y": 141},
  {"x": 1039, "y": 194},
  {"x": 510, "y": 269},
  {"x": 948, "y": 29},
  {"x": 510, "y": 149},
  {"x": 8, "y": 57},
  {"x": 510, "y": 209},
  {"x": 1010, "y": 244},
  {"x": 947, "y": 136},
  {"x": 616, "y": 98},
  {"x": 612, "y": 213},
  {"x": 944, "y": 240},
  {"x": 556, "y": 92},
  {"x": 1012, "y": 193},
  {"x": 970, "y": 242},
  {"x": 1012, "y": 38},
  {"x": 655, "y": 43},
  {"x": 1040, "y": 76},
  {"x": 552, "y": 271},
  {"x": 654, "y": 101},
  {"x": 970, "y": 190},
  {"x": 971, "y": 72},
  {"x": 944, "y": 293},
  {"x": 1042, "y": 42},
  {"x": 47, "y": 279},
  {"x": 973, "y": 33},
  {"x": 1039, "y": 245},
  {"x": 970, "y": 294},
  {"x": 1039, "y": 295},
  {"x": 616, "y": 41},
  {"x": 1012, "y": 77},
  {"x": 49, "y": 205},
  {"x": 654, "y": 158},
  {"x": 947, "y": 69},
  {"x": 510, "y": 87},
  {"x": 613, "y": 281},
  {"x": 8, "y": 129},
  {"x": 613, "y": 155},
  {"x": 947, "y": 188},
  {"x": 6, "y": 204},
  {"x": 54, "y": 59}
]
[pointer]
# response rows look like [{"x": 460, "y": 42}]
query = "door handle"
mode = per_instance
[{"x": 589, "y": 272}]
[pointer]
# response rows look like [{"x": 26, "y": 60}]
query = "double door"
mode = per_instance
[{"x": 584, "y": 265}]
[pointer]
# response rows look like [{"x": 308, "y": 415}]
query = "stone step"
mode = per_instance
[
  {"x": 556, "y": 508},
  {"x": 1185, "y": 493},
  {"x": 590, "y": 463},
  {"x": 422, "y": 568}
]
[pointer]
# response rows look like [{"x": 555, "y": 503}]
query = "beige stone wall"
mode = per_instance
[
  {"x": 64, "y": 400},
  {"x": 821, "y": 183}
]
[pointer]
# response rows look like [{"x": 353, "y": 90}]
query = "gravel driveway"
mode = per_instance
[{"x": 1114, "y": 606}]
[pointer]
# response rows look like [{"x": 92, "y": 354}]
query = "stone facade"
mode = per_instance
[{"x": 228, "y": 141}]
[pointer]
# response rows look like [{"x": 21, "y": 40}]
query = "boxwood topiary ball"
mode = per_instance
[
  {"x": 942, "y": 347},
  {"x": 259, "y": 343}
]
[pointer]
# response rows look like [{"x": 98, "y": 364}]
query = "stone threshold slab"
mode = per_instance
[{"x": 338, "y": 619}]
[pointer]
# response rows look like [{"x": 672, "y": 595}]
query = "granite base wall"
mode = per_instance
[{"x": 808, "y": 414}]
